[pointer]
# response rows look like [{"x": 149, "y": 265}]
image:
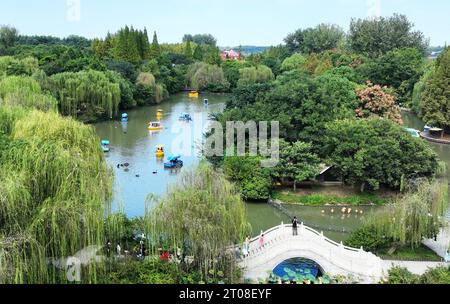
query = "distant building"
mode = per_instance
[
  {"x": 435, "y": 55},
  {"x": 230, "y": 55}
]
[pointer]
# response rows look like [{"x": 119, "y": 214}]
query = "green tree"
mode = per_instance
[
  {"x": 315, "y": 40},
  {"x": 198, "y": 53},
  {"x": 8, "y": 36},
  {"x": 356, "y": 150},
  {"x": 188, "y": 50},
  {"x": 297, "y": 162},
  {"x": 155, "y": 50},
  {"x": 435, "y": 97},
  {"x": 202, "y": 214},
  {"x": 296, "y": 61},
  {"x": 400, "y": 69},
  {"x": 375, "y": 37},
  {"x": 257, "y": 74},
  {"x": 253, "y": 180}
]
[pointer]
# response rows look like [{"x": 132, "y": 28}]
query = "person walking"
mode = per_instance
[
  {"x": 295, "y": 226},
  {"x": 261, "y": 239},
  {"x": 119, "y": 250},
  {"x": 247, "y": 245}
]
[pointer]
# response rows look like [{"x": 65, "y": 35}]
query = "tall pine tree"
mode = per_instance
[
  {"x": 188, "y": 50},
  {"x": 155, "y": 50}
]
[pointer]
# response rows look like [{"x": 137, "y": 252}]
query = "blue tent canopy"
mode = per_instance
[{"x": 174, "y": 157}]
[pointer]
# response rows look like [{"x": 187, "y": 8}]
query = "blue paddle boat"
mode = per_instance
[
  {"x": 124, "y": 117},
  {"x": 206, "y": 102},
  {"x": 105, "y": 145},
  {"x": 173, "y": 162},
  {"x": 185, "y": 117}
]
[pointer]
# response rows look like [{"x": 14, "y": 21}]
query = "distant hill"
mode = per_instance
[{"x": 248, "y": 49}]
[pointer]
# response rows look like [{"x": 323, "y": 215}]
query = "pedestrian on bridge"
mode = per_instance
[
  {"x": 261, "y": 239},
  {"x": 295, "y": 226}
]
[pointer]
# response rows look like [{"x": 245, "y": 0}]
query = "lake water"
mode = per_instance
[{"x": 132, "y": 143}]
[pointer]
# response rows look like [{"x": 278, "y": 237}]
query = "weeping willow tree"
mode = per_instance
[
  {"x": 203, "y": 76},
  {"x": 91, "y": 93},
  {"x": 148, "y": 91},
  {"x": 25, "y": 92},
  {"x": 414, "y": 216},
  {"x": 54, "y": 186},
  {"x": 202, "y": 214}
]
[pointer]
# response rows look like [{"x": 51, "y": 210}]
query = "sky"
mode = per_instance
[{"x": 232, "y": 22}]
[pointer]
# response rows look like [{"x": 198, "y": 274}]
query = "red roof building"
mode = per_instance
[{"x": 230, "y": 55}]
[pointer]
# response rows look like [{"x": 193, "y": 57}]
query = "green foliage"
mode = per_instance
[
  {"x": 399, "y": 275},
  {"x": 415, "y": 216},
  {"x": 368, "y": 238},
  {"x": 325, "y": 199},
  {"x": 10, "y": 66},
  {"x": 376, "y": 37},
  {"x": 203, "y": 76},
  {"x": 377, "y": 152},
  {"x": 8, "y": 37},
  {"x": 439, "y": 275},
  {"x": 25, "y": 92},
  {"x": 297, "y": 162},
  {"x": 202, "y": 214},
  {"x": 155, "y": 50},
  {"x": 257, "y": 74},
  {"x": 399, "y": 69},
  {"x": 296, "y": 61},
  {"x": 87, "y": 94},
  {"x": 254, "y": 182},
  {"x": 44, "y": 214},
  {"x": 201, "y": 39},
  {"x": 315, "y": 40},
  {"x": 435, "y": 96},
  {"x": 231, "y": 70}
]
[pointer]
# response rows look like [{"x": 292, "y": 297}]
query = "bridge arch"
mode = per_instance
[{"x": 334, "y": 258}]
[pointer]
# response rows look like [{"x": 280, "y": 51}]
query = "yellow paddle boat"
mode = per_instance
[
  {"x": 194, "y": 94},
  {"x": 159, "y": 151},
  {"x": 159, "y": 114},
  {"x": 155, "y": 126}
]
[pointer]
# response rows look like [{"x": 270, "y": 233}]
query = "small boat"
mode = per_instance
[
  {"x": 414, "y": 133},
  {"x": 159, "y": 151},
  {"x": 194, "y": 94},
  {"x": 173, "y": 162},
  {"x": 206, "y": 102},
  {"x": 105, "y": 145},
  {"x": 155, "y": 126},
  {"x": 159, "y": 114},
  {"x": 124, "y": 117},
  {"x": 185, "y": 117}
]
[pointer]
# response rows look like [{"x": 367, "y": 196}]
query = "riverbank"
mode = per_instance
[{"x": 332, "y": 196}]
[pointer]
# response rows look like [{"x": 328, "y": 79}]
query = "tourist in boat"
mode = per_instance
[{"x": 295, "y": 226}]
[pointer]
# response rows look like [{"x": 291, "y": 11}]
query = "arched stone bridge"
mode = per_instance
[{"x": 334, "y": 258}]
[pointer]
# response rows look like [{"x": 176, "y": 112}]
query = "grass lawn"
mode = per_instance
[
  {"x": 320, "y": 196},
  {"x": 422, "y": 253}
]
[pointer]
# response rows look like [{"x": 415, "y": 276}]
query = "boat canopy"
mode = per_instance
[
  {"x": 105, "y": 142},
  {"x": 160, "y": 147},
  {"x": 124, "y": 115},
  {"x": 174, "y": 158}
]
